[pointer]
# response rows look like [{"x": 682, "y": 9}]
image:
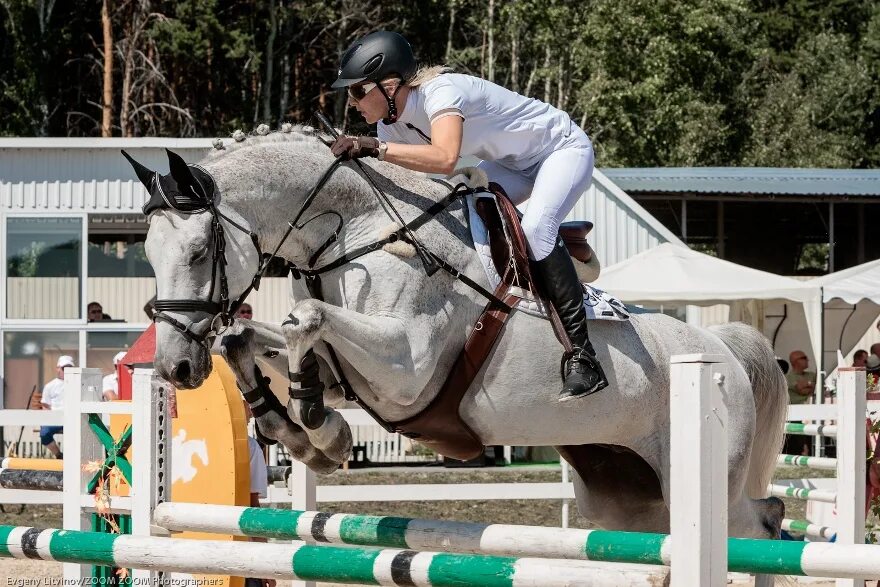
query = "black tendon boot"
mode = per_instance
[{"x": 580, "y": 369}]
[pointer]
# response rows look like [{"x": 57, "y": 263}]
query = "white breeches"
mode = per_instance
[{"x": 552, "y": 189}]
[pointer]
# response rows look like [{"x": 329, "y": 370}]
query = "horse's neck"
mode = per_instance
[{"x": 364, "y": 221}]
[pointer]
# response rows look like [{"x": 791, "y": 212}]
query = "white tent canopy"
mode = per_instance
[
  {"x": 852, "y": 304},
  {"x": 671, "y": 273},
  {"x": 852, "y": 285}
]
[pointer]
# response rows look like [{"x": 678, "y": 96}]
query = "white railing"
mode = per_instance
[
  {"x": 850, "y": 414},
  {"x": 28, "y": 418},
  {"x": 31, "y": 418}
]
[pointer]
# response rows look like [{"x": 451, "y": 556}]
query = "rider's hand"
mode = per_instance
[{"x": 349, "y": 147}]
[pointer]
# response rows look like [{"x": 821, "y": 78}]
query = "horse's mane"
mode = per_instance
[
  {"x": 302, "y": 139},
  {"x": 288, "y": 133},
  {"x": 309, "y": 137}
]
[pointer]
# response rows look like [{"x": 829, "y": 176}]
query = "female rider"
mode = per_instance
[{"x": 427, "y": 118}]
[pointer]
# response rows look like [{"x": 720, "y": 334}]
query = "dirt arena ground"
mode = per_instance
[{"x": 529, "y": 512}]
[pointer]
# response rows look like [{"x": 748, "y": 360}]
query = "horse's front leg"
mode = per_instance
[
  {"x": 272, "y": 422},
  {"x": 327, "y": 429},
  {"x": 376, "y": 346}
]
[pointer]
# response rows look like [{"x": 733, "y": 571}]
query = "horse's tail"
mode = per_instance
[{"x": 755, "y": 354}]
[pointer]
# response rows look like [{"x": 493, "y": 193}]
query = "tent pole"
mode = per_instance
[{"x": 831, "y": 237}]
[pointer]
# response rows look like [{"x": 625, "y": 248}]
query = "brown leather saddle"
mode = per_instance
[{"x": 439, "y": 426}]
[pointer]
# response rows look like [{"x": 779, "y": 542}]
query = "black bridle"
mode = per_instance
[{"x": 222, "y": 309}]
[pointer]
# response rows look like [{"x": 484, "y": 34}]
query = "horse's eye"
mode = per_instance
[{"x": 200, "y": 255}]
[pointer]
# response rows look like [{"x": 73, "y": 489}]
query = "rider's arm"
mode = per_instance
[{"x": 441, "y": 156}]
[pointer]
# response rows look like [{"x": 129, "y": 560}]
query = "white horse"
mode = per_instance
[{"x": 397, "y": 331}]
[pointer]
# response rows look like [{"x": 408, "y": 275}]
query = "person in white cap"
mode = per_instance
[
  {"x": 53, "y": 399},
  {"x": 110, "y": 383}
]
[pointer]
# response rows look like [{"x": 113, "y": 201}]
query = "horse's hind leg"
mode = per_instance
[
  {"x": 747, "y": 518},
  {"x": 272, "y": 421},
  {"x": 616, "y": 489},
  {"x": 756, "y": 518}
]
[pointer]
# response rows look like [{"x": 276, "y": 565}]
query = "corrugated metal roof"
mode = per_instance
[
  {"x": 747, "y": 180},
  {"x": 60, "y": 175}
]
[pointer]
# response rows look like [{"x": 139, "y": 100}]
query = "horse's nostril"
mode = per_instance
[{"x": 181, "y": 371}]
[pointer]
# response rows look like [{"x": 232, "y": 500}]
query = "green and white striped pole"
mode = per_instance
[
  {"x": 802, "y": 493},
  {"x": 331, "y": 564},
  {"x": 809, "y": 529},
  {"x": 826, "y": 463},
  {"x": 811, "y": 429},
  {"x": 744, "y": 555}
]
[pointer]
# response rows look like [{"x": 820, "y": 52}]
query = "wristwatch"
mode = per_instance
[{"x": 383, "y": 148}]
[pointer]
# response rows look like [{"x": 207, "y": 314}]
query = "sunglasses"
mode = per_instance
[{"x": 358, "y": 92}]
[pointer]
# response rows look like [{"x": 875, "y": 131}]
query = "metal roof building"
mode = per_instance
[
  {"x": 788, "y": 221},
  {"x": 749, "y": 181}
]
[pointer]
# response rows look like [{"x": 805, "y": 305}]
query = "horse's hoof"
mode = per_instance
[
  {"x": 322, "y": 464},
  {"x": 339, "y": 450}
]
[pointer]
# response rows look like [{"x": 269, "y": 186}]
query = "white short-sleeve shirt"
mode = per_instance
[
  {"x": 110, "y": 382},
  {"x": 53, "y": 394},
  {"x": 259, "y": 473},
  {"x": 499, "y": 125}
]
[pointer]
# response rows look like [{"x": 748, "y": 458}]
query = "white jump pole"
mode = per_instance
[
  {"x": 151, "y": 469},
  {"x": 851, "y": 455},
  {"x": 303, "y": 486},
  {"x": 81, "y": 386},
  {"x": 698, "y": 471}
]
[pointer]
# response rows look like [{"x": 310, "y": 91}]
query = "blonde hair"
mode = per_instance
[{"x": 425, "y": 74}]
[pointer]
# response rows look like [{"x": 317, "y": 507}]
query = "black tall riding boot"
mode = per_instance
[{"x": 581, "y": 370}]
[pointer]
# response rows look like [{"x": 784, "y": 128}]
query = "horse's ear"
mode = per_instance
[
  {"x": 144, "y": 174},
  {"x": 180, "y": 171}
]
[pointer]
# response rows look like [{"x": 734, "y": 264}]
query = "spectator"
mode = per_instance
[
  {"x": 801, "y": 382},
  {"x": 872, "y": 367},
  {"x": 872, "y": 364},
  {"x": 259, "y": 488},
  {"x": 801, "y": 385},
  {"x": 860, "y": 358},
  {"x": 875, "y": 349},
  {"x": 53, "y": 399},
  {"x": 245, "y": 311},
  {"x": 96, "y": 313},
  {"x": 110, "y": 383}
]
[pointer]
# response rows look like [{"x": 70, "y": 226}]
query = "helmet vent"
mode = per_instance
[
  {"x": 373, "y": 64},
  {"x": 349, "y": 54}
]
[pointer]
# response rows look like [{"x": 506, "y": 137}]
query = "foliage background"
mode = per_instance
[{"x": 655, "y": 82}]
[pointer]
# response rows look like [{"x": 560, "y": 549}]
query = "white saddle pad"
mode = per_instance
[{"x": 599, "y": 304}]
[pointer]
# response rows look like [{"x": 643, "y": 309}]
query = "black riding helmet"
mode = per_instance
[{"x": 376, "y": 57}]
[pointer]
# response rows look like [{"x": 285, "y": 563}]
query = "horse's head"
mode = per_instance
[{"x": 203, "y": 259}]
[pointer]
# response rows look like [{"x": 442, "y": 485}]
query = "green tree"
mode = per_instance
[
  {"x": 813, "y": 114},
  {"x": 658, "y": 78}
]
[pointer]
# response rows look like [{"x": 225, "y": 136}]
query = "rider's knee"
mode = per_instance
[{"x": 539, "y": 234}]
